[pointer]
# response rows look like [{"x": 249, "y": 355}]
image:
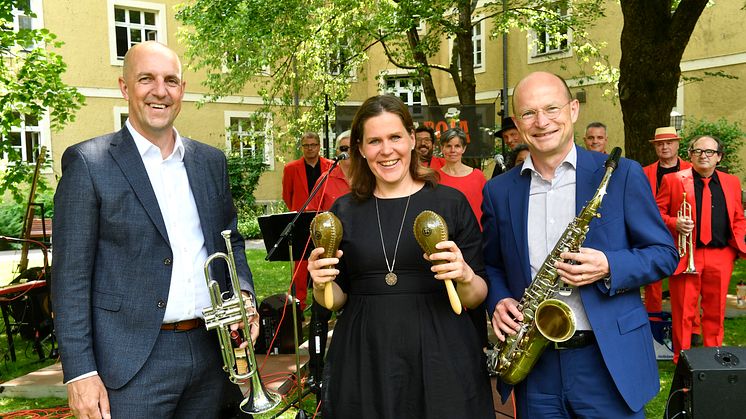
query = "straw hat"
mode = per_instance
[{"x": 665, "y": 134}]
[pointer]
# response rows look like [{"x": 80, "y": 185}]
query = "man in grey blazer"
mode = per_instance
[{"x": 137, "y": 212}]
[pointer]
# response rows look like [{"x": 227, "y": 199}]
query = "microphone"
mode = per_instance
[
  {"x": 342, "y": 156},
  {"x": 500, "y": 160}
]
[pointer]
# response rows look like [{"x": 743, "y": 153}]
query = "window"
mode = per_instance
[
  {"x": 27, "y": 17},
  {"x": 406, "y": 89},
  {"x": 477, "y": 39},
  {"x": 251, "y": 134},
  {"x": 554, "y": 39},
  {"x": 133, "y": 27},
  {"x": 133, "y": 22},
  {"x": 339, "y": 63},
  {"x": 121, "y": 113},
  {"x": 25, "y": 139}
]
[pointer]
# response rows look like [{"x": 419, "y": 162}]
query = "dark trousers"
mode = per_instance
[
  {"x": 571, "y": 383},
  {"x": 182, "y": 378}
]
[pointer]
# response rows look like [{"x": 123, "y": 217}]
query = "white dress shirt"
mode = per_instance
[
  {"x": 188, "y": 293},
  {"x": 551, "y": 208}
]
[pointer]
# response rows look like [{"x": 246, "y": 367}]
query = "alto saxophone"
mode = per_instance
[{"x": 546, "y": 318}]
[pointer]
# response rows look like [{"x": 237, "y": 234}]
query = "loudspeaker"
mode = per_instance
[
  {"x": 270, "y": 313},
  {"x": 709, "y": 383}
]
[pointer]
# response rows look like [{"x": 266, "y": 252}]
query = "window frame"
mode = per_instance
[
  {"x": 120, "y": 111},
  {"x": 36, "y": 22},
  {"x": 536, "y": 56},
  {"x": 160, "y": 23},
  {"x": 480, "y": 26},
  {"x": 42, "y": 128},
  {"x": 269, "y": 146}
]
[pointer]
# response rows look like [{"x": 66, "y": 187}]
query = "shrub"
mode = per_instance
[{"x": 730, "y": 134}]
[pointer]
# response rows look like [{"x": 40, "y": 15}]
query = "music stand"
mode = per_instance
[
  {"x": 273, "y": 226},
  {"x": 292, "y": 228}
]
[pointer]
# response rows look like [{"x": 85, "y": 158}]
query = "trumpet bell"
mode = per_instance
[{"x": 260, "y": 400}]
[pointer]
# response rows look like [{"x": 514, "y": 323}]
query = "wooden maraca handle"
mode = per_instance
[
  {"x": 326, "y": 232},
  {"x": 429, "y": 230},
  {"x": 328, "y": 295}
]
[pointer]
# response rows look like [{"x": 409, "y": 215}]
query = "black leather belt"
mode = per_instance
[{"x": 580, "y": 339}]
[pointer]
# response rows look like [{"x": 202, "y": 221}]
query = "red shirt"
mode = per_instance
[
  {"x": 470, "y": 185},
  {"x": 336, "y": 186}
]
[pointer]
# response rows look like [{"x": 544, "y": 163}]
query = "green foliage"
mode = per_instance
[
  {"x": 12, "y": 212},
  {"x": 244, "y": 173},
  {"x": 730, "y": 134},
  {"x": 31, "y": 84},
  {"x": 248, "y": 225}
]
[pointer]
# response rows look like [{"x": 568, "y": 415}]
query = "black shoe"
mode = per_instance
[
  {"x": 696, "y": 341},
  {"x": 314, "y": 384}
]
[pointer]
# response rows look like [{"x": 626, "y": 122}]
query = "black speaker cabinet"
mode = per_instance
[
  {"x": 270, "y": 312},
  {"x": 709, "y": 383}
]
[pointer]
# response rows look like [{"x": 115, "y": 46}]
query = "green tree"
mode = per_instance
[
  {"x": 301, "y": 41},
  {"x": 30, "y": 85},
  {"x": 308, "y": 47}
]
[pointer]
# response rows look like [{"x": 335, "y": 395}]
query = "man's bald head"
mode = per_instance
[
  {"x": 535, "y": 75},
  {"x": 146, "y": 46}
]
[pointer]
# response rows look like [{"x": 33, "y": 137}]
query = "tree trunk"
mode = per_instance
[
  {"x": 428, "y": 87},
  {"x": 466, "y": 85},
  {"x": 653, "y": 41}
]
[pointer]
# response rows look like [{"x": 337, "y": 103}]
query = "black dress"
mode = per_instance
[{"x": 399, "y": 351}]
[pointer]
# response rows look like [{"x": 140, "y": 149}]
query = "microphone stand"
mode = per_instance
[{"x": 286, "y": 234}]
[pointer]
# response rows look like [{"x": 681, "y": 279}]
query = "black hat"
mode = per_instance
[{"x": 506, "y": 125}]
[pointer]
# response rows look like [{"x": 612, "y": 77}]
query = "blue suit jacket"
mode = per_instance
[
  {"x": 635, "y": 241},
  {"x": 112, "y": 257}
]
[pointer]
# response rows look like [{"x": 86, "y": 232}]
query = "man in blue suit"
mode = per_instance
[
  {"x": 137, "y": 212},
  {"x": 608, "y": 368}
]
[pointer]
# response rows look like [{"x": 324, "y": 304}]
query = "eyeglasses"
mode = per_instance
[
  {"x": 551, "y": 112},
  {"x": 310, "y": 145},
  {"x": 699, "y": 151},
  {"x": 344, "y": 148}
]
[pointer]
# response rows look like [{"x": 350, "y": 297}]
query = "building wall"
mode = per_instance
[{"x": 716, "y": 45}]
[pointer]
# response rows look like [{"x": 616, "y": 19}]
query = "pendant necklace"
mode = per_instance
[{"x": 391, "y": 278}]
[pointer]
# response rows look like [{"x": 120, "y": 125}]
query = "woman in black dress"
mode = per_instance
[{"x": 399, "y": 350}]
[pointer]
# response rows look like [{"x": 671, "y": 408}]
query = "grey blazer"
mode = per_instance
[{"x": 111, "y": 253}]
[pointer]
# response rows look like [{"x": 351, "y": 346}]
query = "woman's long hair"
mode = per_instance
[{"x": 363, "y": 181}]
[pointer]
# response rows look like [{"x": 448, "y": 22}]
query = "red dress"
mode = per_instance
[{"x": 470, "y": 185}]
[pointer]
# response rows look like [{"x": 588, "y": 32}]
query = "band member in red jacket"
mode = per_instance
[
  {"x": 666, "y": 143},
  {"x": 718, "y": 227},
  {"x": 298, "y": 179}
]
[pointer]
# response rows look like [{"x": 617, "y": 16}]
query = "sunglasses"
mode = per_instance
[{"x": 344, "y": 148}]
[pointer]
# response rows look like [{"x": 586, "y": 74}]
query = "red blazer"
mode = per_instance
[
  {"x": 651, "y": 172},
  {"x": 669, "y": 200},
  {"x": 295, "y": 183}
]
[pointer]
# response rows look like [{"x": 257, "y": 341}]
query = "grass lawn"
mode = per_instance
[{"x": 273, "y": 278}]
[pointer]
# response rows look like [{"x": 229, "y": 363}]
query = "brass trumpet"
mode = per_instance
[
  {"x": 685, "y": 242},
  {"x": 240, "y": 364}
]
